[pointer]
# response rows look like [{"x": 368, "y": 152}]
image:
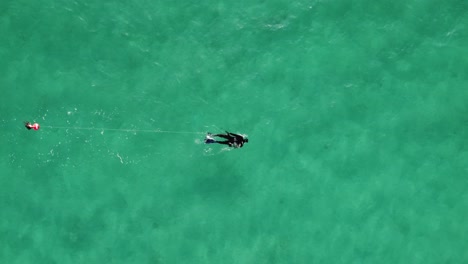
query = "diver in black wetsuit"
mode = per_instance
[{"x": 232, "y": 140}]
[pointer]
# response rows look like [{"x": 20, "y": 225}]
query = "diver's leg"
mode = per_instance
[
  {"x": 209, "y": 139},
  {"x": 223, "y": 142},
  {"x": 222, "y": 136}
]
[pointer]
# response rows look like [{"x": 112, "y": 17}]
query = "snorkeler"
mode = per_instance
[
  {"x": 232, "y": 140},
  {"x": 30, "y": 126}
]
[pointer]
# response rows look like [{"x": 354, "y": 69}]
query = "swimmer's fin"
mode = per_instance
[{"x": 209, "y": 139}]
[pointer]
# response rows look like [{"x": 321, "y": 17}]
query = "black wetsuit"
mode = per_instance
[{"x": 232, "y": 140}]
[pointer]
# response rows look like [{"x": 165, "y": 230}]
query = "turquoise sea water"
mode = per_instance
[{"x": 356, "y": 114}]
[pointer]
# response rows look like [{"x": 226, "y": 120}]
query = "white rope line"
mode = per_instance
[{"x": 126, "y": 130}]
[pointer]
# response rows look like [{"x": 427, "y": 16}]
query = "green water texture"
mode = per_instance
[{"x": 356, "y": 112}]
